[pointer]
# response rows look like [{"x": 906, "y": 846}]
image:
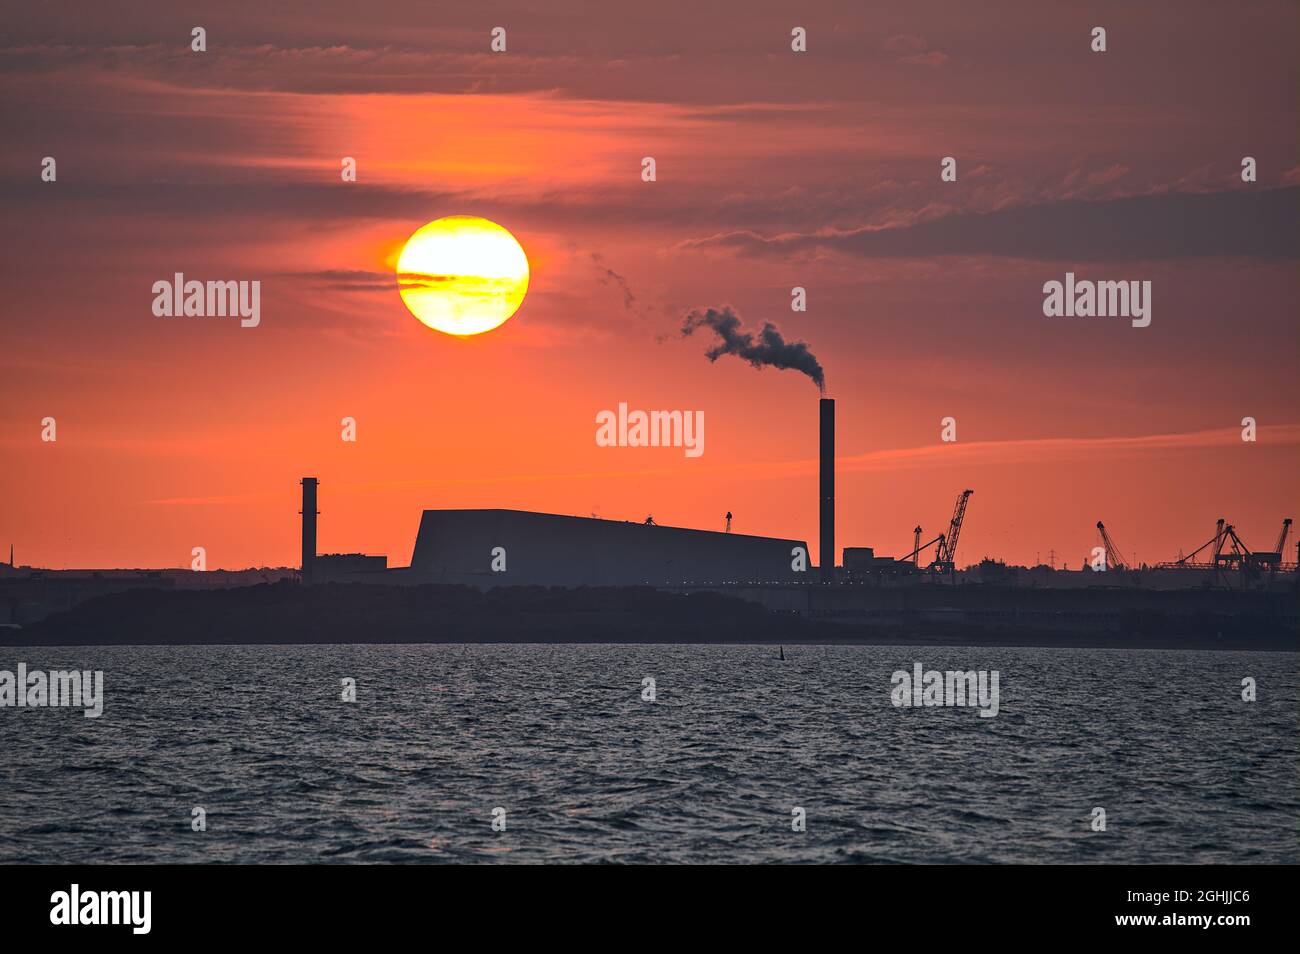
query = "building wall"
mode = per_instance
[
  {"x": 349, "y": 568},
  {"x": 455, "y": 546}
]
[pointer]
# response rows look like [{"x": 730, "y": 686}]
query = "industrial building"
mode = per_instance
[
  {"x": 517, "y": 547},
  {"x": 507, "y": 547},
  {"x": 494, "y": 547},
  {"x": 513, "y": 547}
]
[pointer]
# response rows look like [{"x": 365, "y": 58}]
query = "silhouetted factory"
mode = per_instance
[
  {"x": 1241, "y": 593},
  {"x": 517, "y": 547},
  {"x": 1234, "y": 586},
  {"x": 495, "y": 547}
]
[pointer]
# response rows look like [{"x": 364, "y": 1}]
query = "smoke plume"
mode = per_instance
[
  {"x": 607, "y": 276},
  {"x": 769, "y": 350}
]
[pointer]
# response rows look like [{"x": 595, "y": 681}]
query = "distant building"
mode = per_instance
[
  {"x": 349, "y": 568},
  {"x": 513, "y": 547},
  {"x": 862, "y": 562}
]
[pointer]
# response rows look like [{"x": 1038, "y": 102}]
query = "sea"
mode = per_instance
[{"x": 644, "y": 753}]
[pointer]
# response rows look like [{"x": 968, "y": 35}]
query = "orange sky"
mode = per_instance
[{"x": 774, "y": 170}]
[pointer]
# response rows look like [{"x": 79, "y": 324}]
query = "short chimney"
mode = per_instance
[{"x": 309, "y": 514}]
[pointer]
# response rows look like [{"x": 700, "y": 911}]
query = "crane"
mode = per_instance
[
  {"x": 1114, "y": 559},
  {"x": 947, "y": 554},
  {"x": 946, "y": 542},
  {"x": 915, "y": 556},
  {"x": 1229, "y": 552},
  {"x": 1189, "y": 560},
  {"x": 1219, "y": 537},
  {"x": 1237, "y": 555},
  {"x": 1279, "y": 549},
  {"x": 1263, "y": 559}
]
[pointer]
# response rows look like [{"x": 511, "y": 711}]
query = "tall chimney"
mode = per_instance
[
  {"x": 827, "y": 493},
  {"x": 309, "y": 513}
]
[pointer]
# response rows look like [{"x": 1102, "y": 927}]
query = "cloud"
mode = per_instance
[
  {"x": 349, "y": 280},
  {"x": 915, "y": 51},
  {"x": 1043, "y": 449},
  {"x": 1027, "y": 451},
  {"x": 1241, "y": 224},
  {"x": 932, "y": 58}
]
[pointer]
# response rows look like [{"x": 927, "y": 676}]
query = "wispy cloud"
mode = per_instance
[
  {"x": 1251, "y": 224},
  {"x": 1038, "y": 450}
]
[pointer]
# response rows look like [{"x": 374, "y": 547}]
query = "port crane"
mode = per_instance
[
  {"x": 1215, "y": 541},
  {"x": 1239, "y": 556},
  {"x": 1281, "y": 539},
  {"x": 1114, "y": 559},
  {"x": 1273, "y": 561},
  {"x": 945, "y": 543},
  {"x": 1229, "y": 552},
  {"x": 1219, "y": 537}
]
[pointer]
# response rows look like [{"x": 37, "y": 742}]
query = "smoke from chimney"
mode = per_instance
[{"x": 770, "y": 349}]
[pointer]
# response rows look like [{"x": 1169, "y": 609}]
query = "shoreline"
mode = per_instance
[
  {"x": 287, "y": 614},
  {"x": 955, "y": 641}
]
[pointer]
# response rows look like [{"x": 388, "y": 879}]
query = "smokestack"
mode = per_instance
[
  {"x": 827, "y": 493},
  {"x": 309, "y": 514}
]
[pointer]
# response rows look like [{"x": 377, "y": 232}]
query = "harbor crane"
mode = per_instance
[
  {"x": 1219, "y": 537},
  {"x": 1114, "y": 559},
  {"x": 1229, "y": 552},
  {"x": 1277, "y": 557},
  {"x": 1240, "y": 556},
  {"x": 945, "y": 543},
  {"x": 1215, "y": 541},
  {"x": 1272, "y": 560},
  {"x": 948, "y": 544},
  {"x": 1279, "y": 549}
]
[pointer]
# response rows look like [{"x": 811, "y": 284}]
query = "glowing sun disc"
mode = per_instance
[{"x": 462, "y": 275}]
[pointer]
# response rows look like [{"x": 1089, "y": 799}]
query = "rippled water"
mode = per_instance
[{"x": 559, "y": 736}]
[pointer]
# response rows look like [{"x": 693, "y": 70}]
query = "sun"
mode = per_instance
[{"x": 462, "y": 275}]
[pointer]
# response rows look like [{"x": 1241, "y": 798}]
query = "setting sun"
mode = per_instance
[{"x": 462, "y": 275}]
